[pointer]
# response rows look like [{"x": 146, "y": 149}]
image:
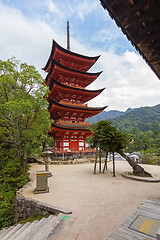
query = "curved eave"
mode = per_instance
[
  {"x": 74, "y": 107},
  {"x": 70, "y": 71},
  {"x": 55, "y": 63},
  {"x": 76, "y": 55},
  {"x": 75, "y": 89},
  {"x": 61, "y": 127}
]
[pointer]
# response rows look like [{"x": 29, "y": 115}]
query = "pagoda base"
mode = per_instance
[{"x": 72, "y": 155}]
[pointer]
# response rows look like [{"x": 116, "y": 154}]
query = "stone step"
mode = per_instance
[
  {"x": 4, "y": 231},
  {"x": 32, "y": 231},
  {"x": 39, "y": 227},
  {"x": 46, "y": 231},
  {"x": 23, "y": 234},
  {"x": 19, "y": 231},
  {"x": 11, "y": 232},
  {"x": 67, "y": 229}
]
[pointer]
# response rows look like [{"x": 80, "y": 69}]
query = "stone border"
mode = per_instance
[
  {"x": 72, "y": 161},
  {"x": 29, "y": 208},
  {"x": 129, "y": 175}
]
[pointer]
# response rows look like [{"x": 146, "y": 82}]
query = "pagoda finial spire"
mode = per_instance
[{"x": 68, "y": 37}]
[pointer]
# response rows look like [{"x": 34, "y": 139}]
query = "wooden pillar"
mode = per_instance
[
  {"x": 99, "y": 160},
  {"x": 62, "y": 144},
  {"x": 77, "y": 142},
  {"x": 113, "y": 166},
  {"x": 69, "y": 142},
  {"x": 84, "y": 143}
]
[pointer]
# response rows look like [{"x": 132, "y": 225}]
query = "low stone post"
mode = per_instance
[{"x": 47, "y": 160}]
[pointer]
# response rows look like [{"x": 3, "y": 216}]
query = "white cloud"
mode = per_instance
[
  {"x": 52, "y": 7},
  {"x": 106, "y": 34},
  {"x": 128, "y": 80},
  {"x": 83, "y": 8},
  {"x": 27, "y": 39}
]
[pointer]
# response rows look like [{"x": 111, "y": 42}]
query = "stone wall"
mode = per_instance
[{"x": 28, "y": 208}]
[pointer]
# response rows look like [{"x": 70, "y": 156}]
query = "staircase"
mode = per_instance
[{"x": 32, "y": 230}]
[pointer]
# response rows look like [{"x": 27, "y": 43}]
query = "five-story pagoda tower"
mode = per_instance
[{"x": 67, "y": 80}]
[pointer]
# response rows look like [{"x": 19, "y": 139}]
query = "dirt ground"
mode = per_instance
[{"x": 99, "y": 202}]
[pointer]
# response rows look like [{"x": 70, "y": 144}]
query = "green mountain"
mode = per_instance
[
  {"x": 142, "y": 123},
  {"x": 106, "y": 115},
  {"x": 143, "y": 119}
]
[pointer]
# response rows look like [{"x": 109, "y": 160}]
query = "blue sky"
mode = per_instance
[{"x": 28, "y": 27}]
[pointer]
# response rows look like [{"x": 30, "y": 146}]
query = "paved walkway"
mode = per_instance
[
  {"x": 66, "y": 230},
  {"x": 142, "y": 225},
  {"x": 100, "y": 203}
]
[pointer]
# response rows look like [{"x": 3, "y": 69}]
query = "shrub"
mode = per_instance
[
  {"x": 12, "y": 177},
  {"x": 6, "y": 208},
  {"x": 149, "y": 157}
]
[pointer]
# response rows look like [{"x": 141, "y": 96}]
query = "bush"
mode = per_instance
[
  {"x": 149, "y": 157},
  {"x": 6, "y": 208},
  {"x": 12, "y": 177}
]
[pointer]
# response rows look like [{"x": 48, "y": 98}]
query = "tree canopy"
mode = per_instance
[
  {"x": 24, "y": 122},
  {"x": 24, "y": 117},
  {"x": 110, "y": 139},
  {"x": 144, "y": 125}
]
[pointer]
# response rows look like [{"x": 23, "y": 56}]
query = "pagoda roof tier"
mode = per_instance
[
  {"x": 69, "y": 76},
  {"x": 60, "y": 111},
  {"x": 60, "y": 91},
  {"x": 69, "y": 59},
  {"x": 60, "y": 130}
]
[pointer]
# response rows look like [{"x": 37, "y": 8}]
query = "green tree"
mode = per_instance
[
  {"x": 92, "y": 140},
  {"x": 24, "y": 122},
  {"x": 143, "y": 124},
  {"x": 24, "y": 117},
  {"x": 113, "y": 140},
  {"x": 157, "y": 144}
]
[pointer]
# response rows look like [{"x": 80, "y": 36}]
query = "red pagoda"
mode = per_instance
[{"x": 67, "y": 80}]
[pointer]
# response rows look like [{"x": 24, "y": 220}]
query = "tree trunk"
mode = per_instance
[
  {"x": 113, "y": 166},
  {"x": 105, "y": 163},
  {"x": 99, "y": 160},
  {"x": 137, "y": 170},
  {"x": 95, "y": 163}
]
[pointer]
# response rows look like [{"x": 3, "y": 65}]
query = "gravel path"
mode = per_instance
[{"x": 99, "y": 202}]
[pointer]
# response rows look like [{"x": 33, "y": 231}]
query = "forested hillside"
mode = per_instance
[
  {"x": 142, "y": 123},
  {"x": 143, "y": 119},
  {"x": 105, "y": 115},
  {"x": 144, "y": 126}
]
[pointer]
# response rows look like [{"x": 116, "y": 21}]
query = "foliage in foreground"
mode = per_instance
[
  {"x": 24, "y": 122},
  {"x": 12, "y": 177},
  {"x": 24, "y": 118}
]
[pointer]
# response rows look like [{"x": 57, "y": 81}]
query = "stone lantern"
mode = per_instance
[{"x": 47, "y": 160}]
